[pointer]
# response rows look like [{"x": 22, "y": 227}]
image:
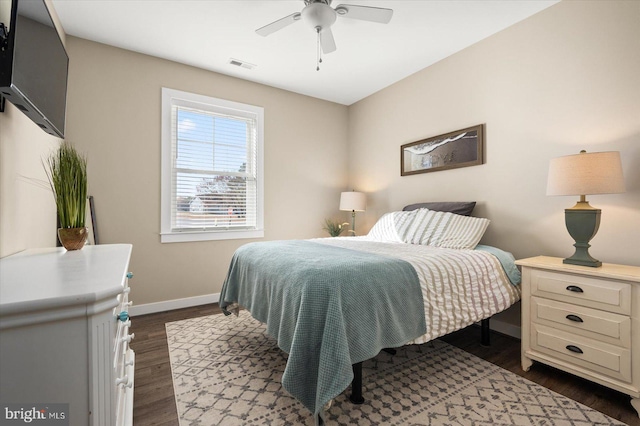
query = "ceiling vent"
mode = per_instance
[{"x": 243, "y": 64}]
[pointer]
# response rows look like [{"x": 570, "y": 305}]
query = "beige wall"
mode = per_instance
[
  {"x": 114, "y": 116},
  {"x": 27, "y": 209},
  {"x": 563, "y": 80}
]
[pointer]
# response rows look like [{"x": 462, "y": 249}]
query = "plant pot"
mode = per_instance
[{"x": 72, "y": 238}]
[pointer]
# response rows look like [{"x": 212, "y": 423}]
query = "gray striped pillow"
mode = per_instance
[
  {"x": 387, "y": 227},
  {"x": 431, "y": 228},
  {"x": 444, "y": 229}
]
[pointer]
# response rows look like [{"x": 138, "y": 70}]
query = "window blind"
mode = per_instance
[{"x": 214, "y": 169}]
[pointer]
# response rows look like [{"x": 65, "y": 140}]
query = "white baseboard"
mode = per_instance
[
  {"x": 505, "y": 328},
  {"x": 169, "y": 305}
]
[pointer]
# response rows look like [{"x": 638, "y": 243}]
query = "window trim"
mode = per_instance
[{"x": 171, "y": 97}]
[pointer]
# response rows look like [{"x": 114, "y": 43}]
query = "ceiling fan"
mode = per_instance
[{"x": 320, "y": 16}]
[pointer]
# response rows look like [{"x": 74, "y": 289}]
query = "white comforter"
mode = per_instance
[{"x": 459, "y": 287}]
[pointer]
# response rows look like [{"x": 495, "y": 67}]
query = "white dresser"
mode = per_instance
[
  {"x": 63, "y": 336},
  {"x": 583, "y": 320}
]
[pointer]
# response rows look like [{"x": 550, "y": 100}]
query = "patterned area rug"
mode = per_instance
[{"x": 226, "y": 371}]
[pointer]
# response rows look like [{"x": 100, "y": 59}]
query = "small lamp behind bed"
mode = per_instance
[{"x": 353, "y": 202}]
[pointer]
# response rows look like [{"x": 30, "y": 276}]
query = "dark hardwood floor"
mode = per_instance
[{"x": 154, "y": 403}]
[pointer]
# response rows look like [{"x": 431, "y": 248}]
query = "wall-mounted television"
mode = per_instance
[{"x": 34, "y": 65}]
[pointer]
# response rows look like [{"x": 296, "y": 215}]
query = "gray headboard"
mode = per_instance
[{"x": 458, "y": 207}]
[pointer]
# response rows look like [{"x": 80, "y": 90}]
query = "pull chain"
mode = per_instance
[{"x": 319, "y": 53}]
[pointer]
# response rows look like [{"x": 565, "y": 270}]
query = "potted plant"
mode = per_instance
[
  {"x": 67, "y": 173},
  {"x": 334, "y": 228}
]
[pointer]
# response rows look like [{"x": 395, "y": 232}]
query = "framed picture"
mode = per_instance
[
  {"x": 461, "y": 148},
  {"x": 90, "y": 222}
]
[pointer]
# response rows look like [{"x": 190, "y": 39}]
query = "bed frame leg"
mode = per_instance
[
  {"x": 356, "y": 385},
  {"x": 485, "y": 338}
]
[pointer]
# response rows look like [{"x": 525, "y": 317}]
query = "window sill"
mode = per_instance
[{"x": 183, "y": 237}]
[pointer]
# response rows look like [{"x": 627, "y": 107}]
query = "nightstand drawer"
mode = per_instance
[
  {"x": 607, "y": 295},
  {"x": 610, "y": 360},
  {"x": 591, "y": 323}
]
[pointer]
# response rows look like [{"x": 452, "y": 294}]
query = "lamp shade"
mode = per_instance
[
  {"x": 353, "y": 201},
  {"x": 586, "y": 173}
]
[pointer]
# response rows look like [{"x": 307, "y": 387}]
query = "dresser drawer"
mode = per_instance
[
  {"x": 591, "y": 323},
  {"x": 603, "y": 358},
  {"x": 124, "y": 391},
  {"x": 607, "y": 295},
  {"x": 122, "y": 340}
]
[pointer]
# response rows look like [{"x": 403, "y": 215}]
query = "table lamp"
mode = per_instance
[
  {"x": 584, "y": 174},
  {"x": 353, "y": 202}
]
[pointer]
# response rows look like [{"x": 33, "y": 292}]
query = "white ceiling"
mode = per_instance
[{"x": 370, "y": 56}]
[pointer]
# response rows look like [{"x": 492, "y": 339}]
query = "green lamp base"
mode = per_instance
[
  {"x": 582, "y": 226},
  {"x": 573, "y": 260}
]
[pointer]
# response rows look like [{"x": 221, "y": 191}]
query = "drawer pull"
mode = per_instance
[
  {"x": 574, "y": 349},
  {"x": 575, "y": 289},
  {"x": 128, "y": 338},
  {"x": 574, "y": 318},
  {"x": 124, "y": 382}
]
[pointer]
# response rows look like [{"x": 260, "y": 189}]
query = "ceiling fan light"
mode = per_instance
[{"x": 319, "y": 15}]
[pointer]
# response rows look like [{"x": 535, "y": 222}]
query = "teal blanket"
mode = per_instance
[{"x": 328, "y": 307}]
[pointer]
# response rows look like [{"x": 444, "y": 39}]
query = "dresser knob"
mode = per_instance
[
  {"x": 129, "y": 275},
  {"x": 575, "y": 289},
  {"x": 574, "y": 318},
  {"x": 129, "y": 338},
  {"x": 124, "y": 382},
  {"x": 574, "y": 349},
  {"x": 123, "y": 316}
]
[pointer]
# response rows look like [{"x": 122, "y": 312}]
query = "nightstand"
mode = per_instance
[{"x": 583, "y": 320}]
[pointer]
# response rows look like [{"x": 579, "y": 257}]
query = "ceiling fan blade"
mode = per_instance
[
  {"x": 365, "y": 13},
  {"x": 278, "y": 25},
  {"x": 327, "y": 42}
]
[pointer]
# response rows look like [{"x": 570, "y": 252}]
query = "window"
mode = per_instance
[{"x": 211, "y": 168}]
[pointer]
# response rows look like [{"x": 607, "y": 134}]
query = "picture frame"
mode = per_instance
[
  {"x": 90, "y": 222},
  {"x": 460, "y": 148}
]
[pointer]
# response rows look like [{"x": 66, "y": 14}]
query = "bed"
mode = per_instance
[{"x": 332, "y": 303}]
